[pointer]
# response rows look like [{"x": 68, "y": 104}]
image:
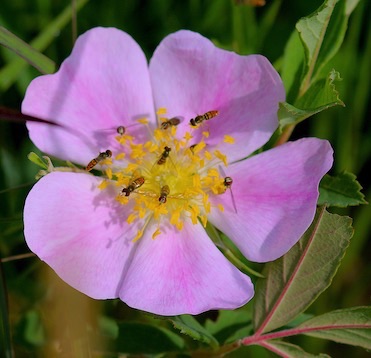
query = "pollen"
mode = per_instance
[{"x": 167, "y": 180}]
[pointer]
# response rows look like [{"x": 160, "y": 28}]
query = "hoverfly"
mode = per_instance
[
  {"x": 99, "y": 158},
  {"x": 205, "y": 117},
  {"x": 172, "y": 122},
  {"x": 227, "y": 182},
  {"x": 165, "y": 191},
  {"x": 134, "y": 184},
  {"x": 164, "y": 156},
  {"x": 121, "y": 130}
]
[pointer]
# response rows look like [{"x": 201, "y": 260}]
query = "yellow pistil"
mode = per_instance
[{"x": 168, "y": 180}]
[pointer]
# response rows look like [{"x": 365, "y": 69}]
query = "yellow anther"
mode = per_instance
[
  {"x": 161, "y": 111},
  {"x": 138, "y": 235},
  {"x": 188, "y": 136},
  {"x": 131, "y": 218},
  {"x": 196, "y": 181},
  {"x": 221, "y": 156},
  {"x": 206, "y": 134},
  {"x": 120, "y": 156},
  {"x": 150, "y": 146},
  {"x": 143, "y": 120},
  {"x": 208, "y": 155},
  {"x": 220, "y": 207},
  {"x": 175, "y": 216},
  {"x": 156, "y": 233},
  {"x": 103, "y": 185},
  {"x": 199, "y": 147},
  {"x": 229, "y": 139},
  {"x": 213, "y": 172},
  {"x": 109, "y": 173},
  {"x": 159, "y": 134},
  {"x": 203, "y": 219}
]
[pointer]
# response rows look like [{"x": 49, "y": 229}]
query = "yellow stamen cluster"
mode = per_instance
[{"x": 189, "y": 172}]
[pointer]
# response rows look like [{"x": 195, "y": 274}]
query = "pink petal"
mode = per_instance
[
  {"x": 79, "y": 231},
  {"x": 191, "y": 76},
  {"x": 103, "y": 84},
  {"x": 183, "y": 273},
  {"x": 276, "y": 194}
]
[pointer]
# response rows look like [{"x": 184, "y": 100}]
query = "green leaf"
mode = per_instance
[
  {"x": 34, "y": 158},
  {"x": 10, "y": 73},
  {"x": 191, "y": 327},
  {"x": 34, "y": 333},
  {"x": 22, "y": 49},
  {"x": 293, "y": 66},
  {"x": 228, "y": 323},
  {"x": 342, "y": 190},
  {"x": 295, "y": 280},
  {"x": 312, "y": 30},
  {"x": 139, "y": 338},
  {"x": 288, "y": 350},
  {"x": 316, "y": 40},
  {"x": 320, "y": 96},
  {"x": 350, "y": 326}
]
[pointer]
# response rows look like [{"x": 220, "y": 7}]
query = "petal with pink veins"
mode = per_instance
[
  {"x": 182, "y": 273},
  {"x": 103, "y": 84},
  {"x": 191, "y": 76},
  {"x": 276, "y": 194},
  {"x": 79, "y": 231}
]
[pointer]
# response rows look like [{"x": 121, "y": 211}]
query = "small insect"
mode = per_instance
[
  {"x": 164, "y": 156},
  {"x": 135, "y": 184},
  {"x": 205, "y": 117},
  {"x": 99, "y": 158},
  {"x": 227, "y": 182},
  {"x": 121, "y": 130},
  {"x": 165, "y": 191},
  {"x": 192, "y": 147},
  {"x": 172, "y": 122}
]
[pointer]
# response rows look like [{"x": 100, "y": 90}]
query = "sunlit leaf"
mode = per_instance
[
  {"x": 320, "y": 96},
  {"x": 10, "y": 73},
  {"x": 190, "y": 326},
  {"x": 350, "y": 326},
  {"x": 24, "y": 50},
  {"x": 312, "y": 31},
  {"x": 341, "y": 190},
  {"x": 34, "y": 158},
  {"x": 295, "y": 280},
  {"x": 293, "y": 66}
]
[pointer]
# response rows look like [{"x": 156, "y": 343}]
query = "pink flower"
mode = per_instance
[{"x": 137, "y": 231}]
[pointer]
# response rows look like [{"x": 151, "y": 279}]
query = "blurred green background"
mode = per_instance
[{"x": 243, "y": 29}]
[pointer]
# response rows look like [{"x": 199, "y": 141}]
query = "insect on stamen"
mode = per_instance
[
  {"x": 172, "y": 122},
  {"x": 99, "y": 158},
  {"x": 165, "y": 191},
  {"x": 227, "y": 182},
  {"x": 165, "y": 154},
  {"x": 205, "y": 117},
  {"x": 135, "y": 184}
]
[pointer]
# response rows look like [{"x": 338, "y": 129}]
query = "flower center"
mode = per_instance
[{"x": 168, "y": 178}]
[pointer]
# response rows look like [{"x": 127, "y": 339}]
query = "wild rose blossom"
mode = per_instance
[{"x": 137, "y": 231}]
